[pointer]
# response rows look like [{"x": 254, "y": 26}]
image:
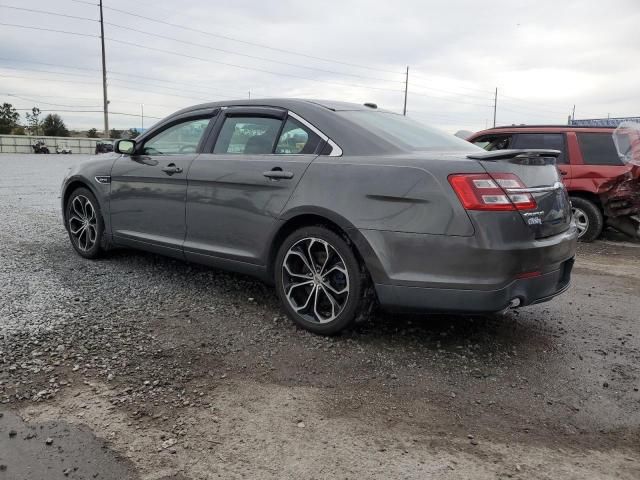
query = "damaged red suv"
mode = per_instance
[{"x": 589, "y": 162}]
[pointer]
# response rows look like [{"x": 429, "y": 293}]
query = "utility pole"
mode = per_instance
[
  {"x": 495, "y": 107},
  {"x": 406, "y": 89},
  {"x": 142, "y": 117},
  {"x": 104, "y": 77},
  {"x": 573, "y": 113},
  {"x": 249, "y": 94}
]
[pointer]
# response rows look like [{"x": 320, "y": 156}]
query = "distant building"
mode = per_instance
[{"x": 603, "y": 122}]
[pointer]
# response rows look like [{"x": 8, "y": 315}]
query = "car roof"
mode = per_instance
[
  {"x": 287, "y": 103},
  {"x": 542, "y": 129},
  {"x": 349, "y": 135}
]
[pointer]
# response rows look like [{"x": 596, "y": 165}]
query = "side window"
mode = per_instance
[
  {"x": 551, "y": 141},
  {"x": 179, "y": 139},
  {"x": 248, "y": 135},
  {"x": 296, "y": 139},
  {"x": 494, "y": 142},
  {"x": 598, "y": 149}
]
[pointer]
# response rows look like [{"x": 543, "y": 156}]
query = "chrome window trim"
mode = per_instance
[
  {"x": 336, "y": 150},
  {"x": 555, "y": 186}
]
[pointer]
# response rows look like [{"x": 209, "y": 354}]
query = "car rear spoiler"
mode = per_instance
[{"x": 530, "y": 156}]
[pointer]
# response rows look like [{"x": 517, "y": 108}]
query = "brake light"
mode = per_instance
[{"x": 481, "y": 191}]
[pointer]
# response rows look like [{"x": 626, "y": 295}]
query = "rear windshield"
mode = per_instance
[{"x": 398, "y": 129}]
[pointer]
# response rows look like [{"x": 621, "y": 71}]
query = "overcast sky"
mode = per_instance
[{"x": 543, "y": 57}]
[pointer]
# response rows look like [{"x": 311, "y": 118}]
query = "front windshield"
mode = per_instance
[{"x": 406, "y": 132}]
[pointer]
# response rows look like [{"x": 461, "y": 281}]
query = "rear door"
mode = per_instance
[
  {"x": 598, "y": 162},
  {"x": 236, "y": 192}
]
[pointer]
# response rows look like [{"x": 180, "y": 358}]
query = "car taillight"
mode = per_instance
[{"x": 481, "y": 191}]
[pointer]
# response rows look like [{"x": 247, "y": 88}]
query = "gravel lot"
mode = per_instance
[{"x": 186, "y": 372}]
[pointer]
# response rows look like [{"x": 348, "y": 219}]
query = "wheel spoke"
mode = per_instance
[
  {"x": 326, "y": 259},
  {"x": 312, "y": 260},
  {"x": 82, "y": 235},
  {"x": 78, "y": 231},
  {"x": 335, "y": 268},
  {"x": 91, "y": 214},
  {"x": 75, "y": 217},
  {"x": 302, "y": 257},
  {"x": 93, "y": 234},
  {"x": 334, "y": 304},
  {"x": 77, "y": 207},
  {"x": 306, "y": 303},
  {"x": 291, "y": 286},
  {"x": 333, "y": 290}
]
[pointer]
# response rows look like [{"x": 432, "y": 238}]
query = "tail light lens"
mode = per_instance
[{"x": 481, "y": 191}]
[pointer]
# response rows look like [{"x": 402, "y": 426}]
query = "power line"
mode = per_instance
[
  {"x": 90, "y": 111},
  {"x": 49, "y": 30},
  {"x": 488, "y": 92},
  {"x": 46, "y": 12},
  {"x": 118, "y": 86},
  {"x": 255, "y": 57},
  {"x": 48, "y": 103},
  {"x": 253, "y": 44},
  {"x": 243, "y": 67},
  {"x": 47, "y": 79},
  {"x": 200, "y": 58},
  {"x": 118, "y": 80},
  {"x": 450, "y": 92},
  {"x": 257, "y": 69},
  {"x": 115, "y": 72},
  {"x": 80, "y": 98},
  {"x": 46, "y": 71},
  {"x": 445, "y": 99}
]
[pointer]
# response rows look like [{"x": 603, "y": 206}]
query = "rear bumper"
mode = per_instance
[
  {"x": 526, "y": 291},
  {"x": 482, "y": 273}
]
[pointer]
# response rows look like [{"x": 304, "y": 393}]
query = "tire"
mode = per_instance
[
  {"x": 589, "y": 219},
  {"x": 46, "y": 150},
  {"x": 84, "y": 223},
  {"x": 344, "y": 279}
]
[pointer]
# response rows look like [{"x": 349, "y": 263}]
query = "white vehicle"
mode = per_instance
[{"x": 63, "y": 149}]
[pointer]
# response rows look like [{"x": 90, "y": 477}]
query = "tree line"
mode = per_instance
[{"x": 51, "y": 125}]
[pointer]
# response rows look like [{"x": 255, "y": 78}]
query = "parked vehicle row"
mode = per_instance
[
  {"x": 341, "y": 206},
  {"x": 41, "y": 147}
]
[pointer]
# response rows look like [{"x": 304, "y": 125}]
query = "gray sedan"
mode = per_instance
[{"x": 341, "y": 206}]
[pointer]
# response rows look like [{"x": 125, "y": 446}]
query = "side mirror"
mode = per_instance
[{"x": 125, "y": 146}]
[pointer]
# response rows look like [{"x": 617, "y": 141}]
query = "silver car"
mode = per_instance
[{"x": 341, "y": 206}]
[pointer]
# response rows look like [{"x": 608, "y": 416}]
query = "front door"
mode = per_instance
[
  {"x": 149, "y": 187},
  {"x": 237, "y": 191}
]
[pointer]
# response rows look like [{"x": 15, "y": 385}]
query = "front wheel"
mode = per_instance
[
  {"x": 588, "y": 218},
  {"x": 320, "y": 281},
  {"x": 84, "y": 223}
]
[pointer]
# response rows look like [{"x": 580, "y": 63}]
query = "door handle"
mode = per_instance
[
  {"x": 277, "y": 174},
  {"x": 564, "y": 173},
  {"x": 171, "y": 169}
]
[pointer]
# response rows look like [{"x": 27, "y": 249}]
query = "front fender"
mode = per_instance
[{"x": 84, "y": 174}]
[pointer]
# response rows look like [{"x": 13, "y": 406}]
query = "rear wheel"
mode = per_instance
[
  {"x": 588, "y": 218},
  {"x": 84, "y": 223},
  {"x": 320, "y": 281}
]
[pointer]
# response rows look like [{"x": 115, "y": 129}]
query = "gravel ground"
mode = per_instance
[{"x": 188, "y": 373}]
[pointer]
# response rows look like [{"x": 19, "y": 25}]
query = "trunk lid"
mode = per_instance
[{"x": 538, "y": 173}]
